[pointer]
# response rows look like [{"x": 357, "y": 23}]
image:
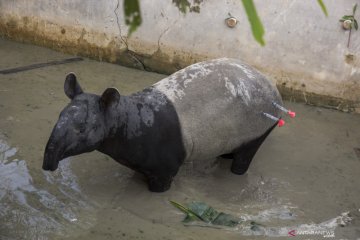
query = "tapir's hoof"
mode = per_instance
[
  {"x": 159, "y": 185},
  {"x": 239, "y": 171}
]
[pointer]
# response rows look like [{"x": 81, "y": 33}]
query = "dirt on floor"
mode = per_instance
[{"x": 304, "y": 180}]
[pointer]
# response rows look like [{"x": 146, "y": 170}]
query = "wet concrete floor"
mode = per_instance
[{"x": 304, "y": 179}]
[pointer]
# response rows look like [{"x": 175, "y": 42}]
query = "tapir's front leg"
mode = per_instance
[
  {"x": 162, "y": 165},
  {"x": 161, "y": 174},
  {"x": 159, "y": 183}
]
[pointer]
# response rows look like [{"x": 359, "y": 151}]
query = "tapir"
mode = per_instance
[{"x": 208, "y": 109}]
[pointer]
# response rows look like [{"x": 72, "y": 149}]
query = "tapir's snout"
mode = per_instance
[
  {"x": 52, "y": 156},
  {"x": 50, "y": 164}
]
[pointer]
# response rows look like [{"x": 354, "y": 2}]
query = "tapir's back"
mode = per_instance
[{"x": 219, "y": 105}]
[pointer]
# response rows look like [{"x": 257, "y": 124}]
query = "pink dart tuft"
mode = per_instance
[
  {"x": 281, "y": 122},
  {"x": 291, "y": 114}
]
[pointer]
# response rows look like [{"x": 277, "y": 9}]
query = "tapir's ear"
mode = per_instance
[
  {"x": 110, "y": 96},
  {"x": 71, "y": 86}
]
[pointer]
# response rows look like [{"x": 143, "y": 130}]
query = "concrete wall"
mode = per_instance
[{"x": 305, "y": 53}]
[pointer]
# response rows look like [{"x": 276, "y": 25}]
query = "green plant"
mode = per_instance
[
  {"x": 255, "y": 22},
  {"x": 133, "y": 16},
  {"x": 349, "y": 22},
  {"x": 323, "y": 7}
]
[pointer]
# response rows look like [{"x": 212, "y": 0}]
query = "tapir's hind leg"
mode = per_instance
[
  {"x": 227, "y": 156},
  {"x": 244, "y": 154}
]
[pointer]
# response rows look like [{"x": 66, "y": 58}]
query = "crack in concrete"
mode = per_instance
[
  {"x": 134, "y": 57},
  {"x": 163, "y": 33},
  {"x": 124, "y": 40},
  {"x": 118, "y": 24},
  {"x": 281, "y": 17},
  {"x": 167, "y": 29}
]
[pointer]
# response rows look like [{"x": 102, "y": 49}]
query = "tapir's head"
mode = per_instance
[{"x": 81, "y": 126}]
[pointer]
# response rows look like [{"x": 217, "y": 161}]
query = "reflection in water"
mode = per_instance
[{"x": 32, "y": 212}]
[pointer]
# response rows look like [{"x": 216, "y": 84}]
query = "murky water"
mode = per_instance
[
  {"x": 304, "y": 178},
  {"x": 33, "y": 211}
]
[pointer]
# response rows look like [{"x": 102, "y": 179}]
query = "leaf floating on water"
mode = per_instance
[
  {"x": 228, "y": 220},
  {"x": 190, "y": 215},
  {"x": 199, "y": 211},
  {"x": 254, "y": 226}
]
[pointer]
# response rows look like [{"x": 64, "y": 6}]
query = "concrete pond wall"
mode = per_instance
[{"x": 306, "y": 53}]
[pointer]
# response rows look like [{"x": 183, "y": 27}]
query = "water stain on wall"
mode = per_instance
[{"x": 77, "y": 40}]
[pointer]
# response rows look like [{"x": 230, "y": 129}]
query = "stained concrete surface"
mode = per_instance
[
  {"x": 305, "y": 177},
  {"x": 306, "y": 52}
]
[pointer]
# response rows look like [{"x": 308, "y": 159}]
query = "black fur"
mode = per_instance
[
  {"x": 244, "y": 154},
  {"x": 156, "y": 150}
]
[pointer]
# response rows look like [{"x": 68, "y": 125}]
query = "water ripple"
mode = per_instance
[{"x": 55, "y": 205}]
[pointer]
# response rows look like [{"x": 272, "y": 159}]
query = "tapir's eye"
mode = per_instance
[{"x": 80, "y": 128}]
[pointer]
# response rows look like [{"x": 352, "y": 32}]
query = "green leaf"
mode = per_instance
[
  {"x": 182, "y": 5},
  {"x": 190, "y": 215},
  {"x": 254, "y": 226},
  {"x": 356, "y": 24},
  {"x": 354, "y": 9},
  {"x": 347, "y": 17},
  {"x": 323, "y": 7},
  {"x": 255, "y": 22},
  {"x": 132, "y": 15}
]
